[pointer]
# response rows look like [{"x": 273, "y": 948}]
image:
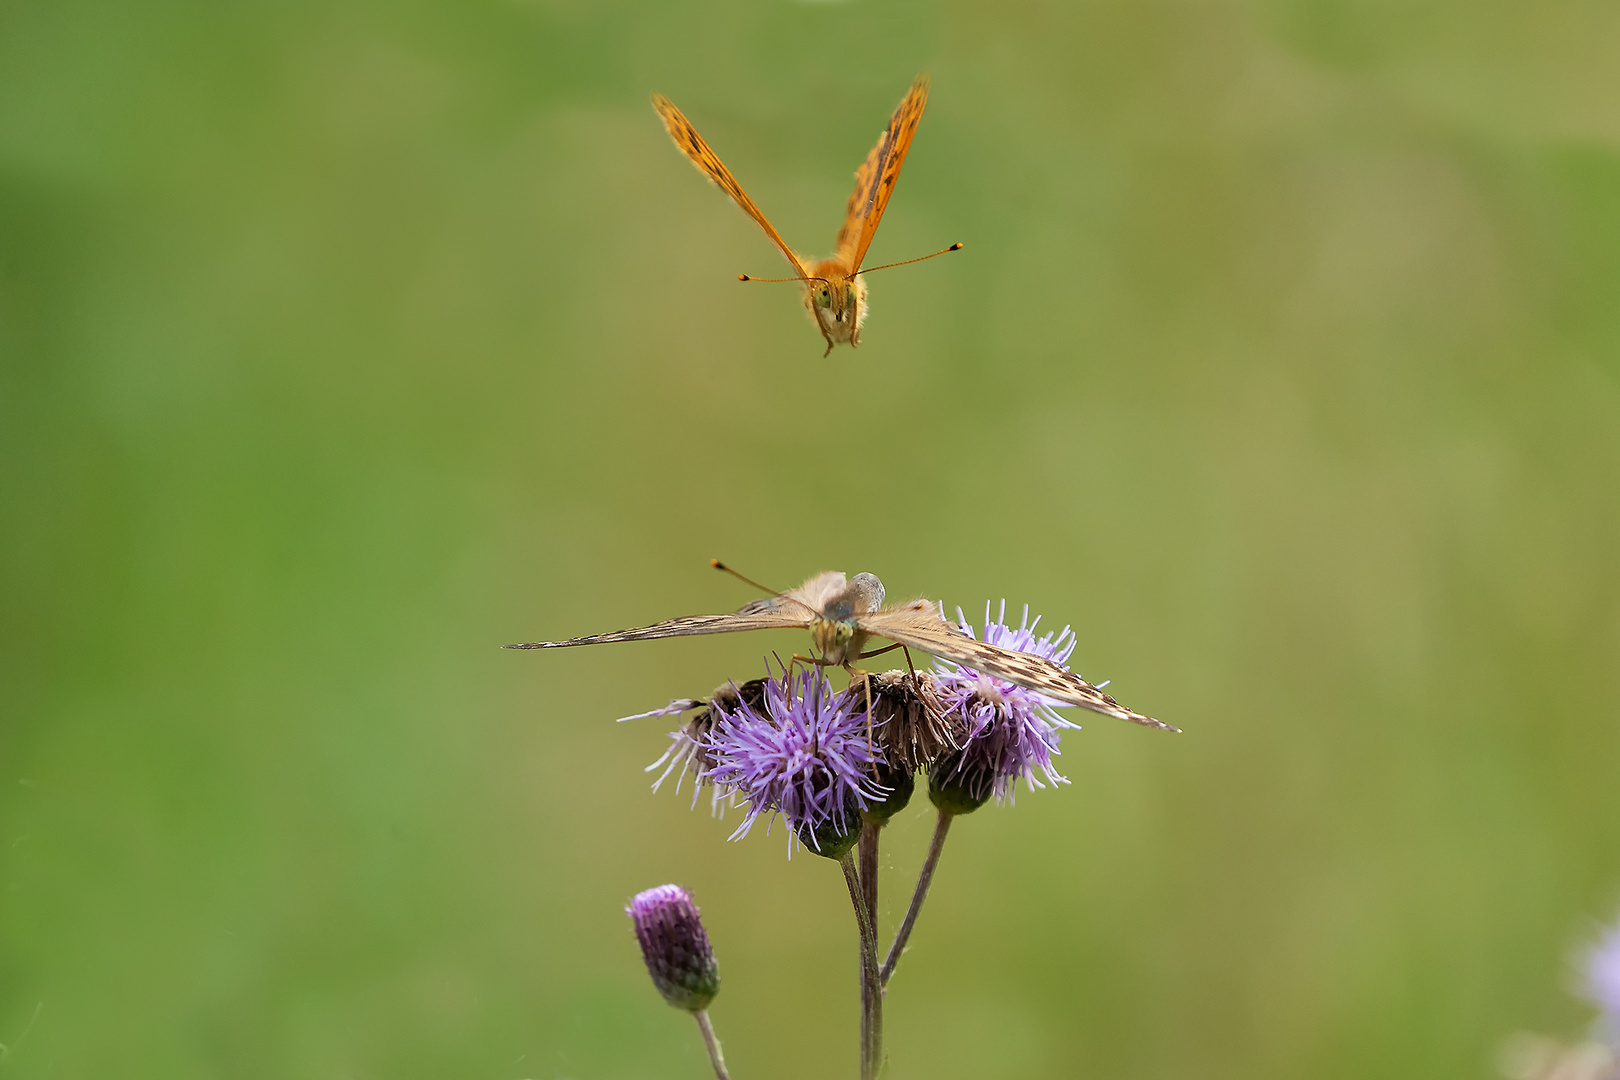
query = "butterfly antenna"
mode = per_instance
[
  {"x": 773, "y": 280},
  {"x": 783, "y": 595},
  {"x": 724, "y": 569},
  {"x": 908, "y": 262}
]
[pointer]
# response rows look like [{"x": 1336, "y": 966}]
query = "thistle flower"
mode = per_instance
[
  {"x": 802, "y": 753},
  {"x": 1603, "y": 981},
  {"x": 686, "y": 743},
  {"x": 675, "y": 947},
  {"x": 912, "y": 724},
  {"x": 1011, "y": 731}
]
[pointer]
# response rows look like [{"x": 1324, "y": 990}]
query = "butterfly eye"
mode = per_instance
[{"x": 824, "y": 296}]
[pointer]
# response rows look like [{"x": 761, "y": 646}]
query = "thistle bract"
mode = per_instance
[{"x": 899, "y": 782}]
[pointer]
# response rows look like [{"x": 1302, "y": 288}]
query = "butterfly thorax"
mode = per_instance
[
  {"x": 836, "y": 631},
  {"x": 836, "y": 299},
  {"x": 838, "y": 641}
]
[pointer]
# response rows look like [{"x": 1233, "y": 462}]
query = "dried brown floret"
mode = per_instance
[{"x": 911, "y": 725}]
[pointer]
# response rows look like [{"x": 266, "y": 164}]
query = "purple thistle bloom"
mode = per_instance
[
  {"x": 1012, "y": 731},
  {"x": 1603, "y": 980},
  {"x": 675, "y": 947},
  {"x": 687, "y": 751},
  {"x": 802, "y": 753},
  {"x": 683, "y": 747}
]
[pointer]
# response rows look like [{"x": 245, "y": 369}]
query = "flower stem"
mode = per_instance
[
  {"x": 871, "y": 990},
  {"x": 719, "y": 1063},
  {"x": 924, "y": 879},
  {"x": 870, "y": 831}
]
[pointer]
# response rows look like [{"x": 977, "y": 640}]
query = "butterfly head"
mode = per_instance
[{"x": 838, "y": 301}]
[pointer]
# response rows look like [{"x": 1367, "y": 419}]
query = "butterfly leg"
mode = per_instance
[
  {"x": 866, "y": 685},
  {"x": 930, "y": 706},
  {"x": 880, "y": 652},
  {"x": 796, "y": 659}
]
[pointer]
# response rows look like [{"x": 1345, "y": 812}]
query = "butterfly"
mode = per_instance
[
  {"x": 842, "y": 614},
  {"x": 833, "y": 289}
]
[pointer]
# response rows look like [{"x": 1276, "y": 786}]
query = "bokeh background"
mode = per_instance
[{"x": 342, "y": 343}]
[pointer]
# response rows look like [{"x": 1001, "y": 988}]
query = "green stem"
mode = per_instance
[
  {"x": 870, "y": 832},
  {"x": 719, "y": 1063},
  {"x": 868, "y": 850},
  {"x": 871, "y": 990}
]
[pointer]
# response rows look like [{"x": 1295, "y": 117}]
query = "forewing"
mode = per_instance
[
  {"x": 788, "y": 616},
  {"x": 874, "y": 180},
  {"x": 708, "y": 162},
  {"x": 920, "y": 625}
]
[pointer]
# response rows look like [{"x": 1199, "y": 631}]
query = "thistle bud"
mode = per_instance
[{"x": 675, "y": 947}]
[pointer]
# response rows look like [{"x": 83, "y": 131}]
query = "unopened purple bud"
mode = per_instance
[{"x": 675, "y": 946}]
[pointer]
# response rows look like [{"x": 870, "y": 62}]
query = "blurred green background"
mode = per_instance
[{"x": 342, "y": 343}]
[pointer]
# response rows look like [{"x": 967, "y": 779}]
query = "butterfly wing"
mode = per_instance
[
  {"x": 708, "y": 162},
  {"x": 874, "y": 180},
  {"x": 750, "y": 618},
  {"x": 920, "y": 625}
]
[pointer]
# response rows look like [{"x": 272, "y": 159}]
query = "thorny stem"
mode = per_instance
[
  {"x": 719, "y": 1063},
  {"x": 871, "y": 991},
  {"x": 870, "y": 831},
  {"x": 924, "y": 879}
]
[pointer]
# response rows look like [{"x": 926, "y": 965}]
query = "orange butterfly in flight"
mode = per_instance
[{"x": 833, "y": 290}]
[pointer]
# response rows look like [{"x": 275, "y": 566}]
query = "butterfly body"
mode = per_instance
[
  {"x": 836, "y": 630},
  {"x": 842, "y": 614},
  {"x": 833, "y": 291}
]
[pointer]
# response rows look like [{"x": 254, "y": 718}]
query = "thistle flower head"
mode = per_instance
[
  {"x": 675, "y": 947},
  {"x": 803, "y": 753},
  {"x": 1603, "y": 980},
  {"x": 912, "y": 723},
  {"x": 1011, "y": 731},
  {"x": 686, "y": 750}
]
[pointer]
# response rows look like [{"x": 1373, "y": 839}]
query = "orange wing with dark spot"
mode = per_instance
[
  {"x": 874, "y": 180},
  {"x": 920, "y": 625},
  {"x": 709, "y": 164}
]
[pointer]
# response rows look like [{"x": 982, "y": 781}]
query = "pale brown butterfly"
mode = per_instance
[
  {"x": 842, "y": 614},
  {"x": 833, "y": 290}
]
